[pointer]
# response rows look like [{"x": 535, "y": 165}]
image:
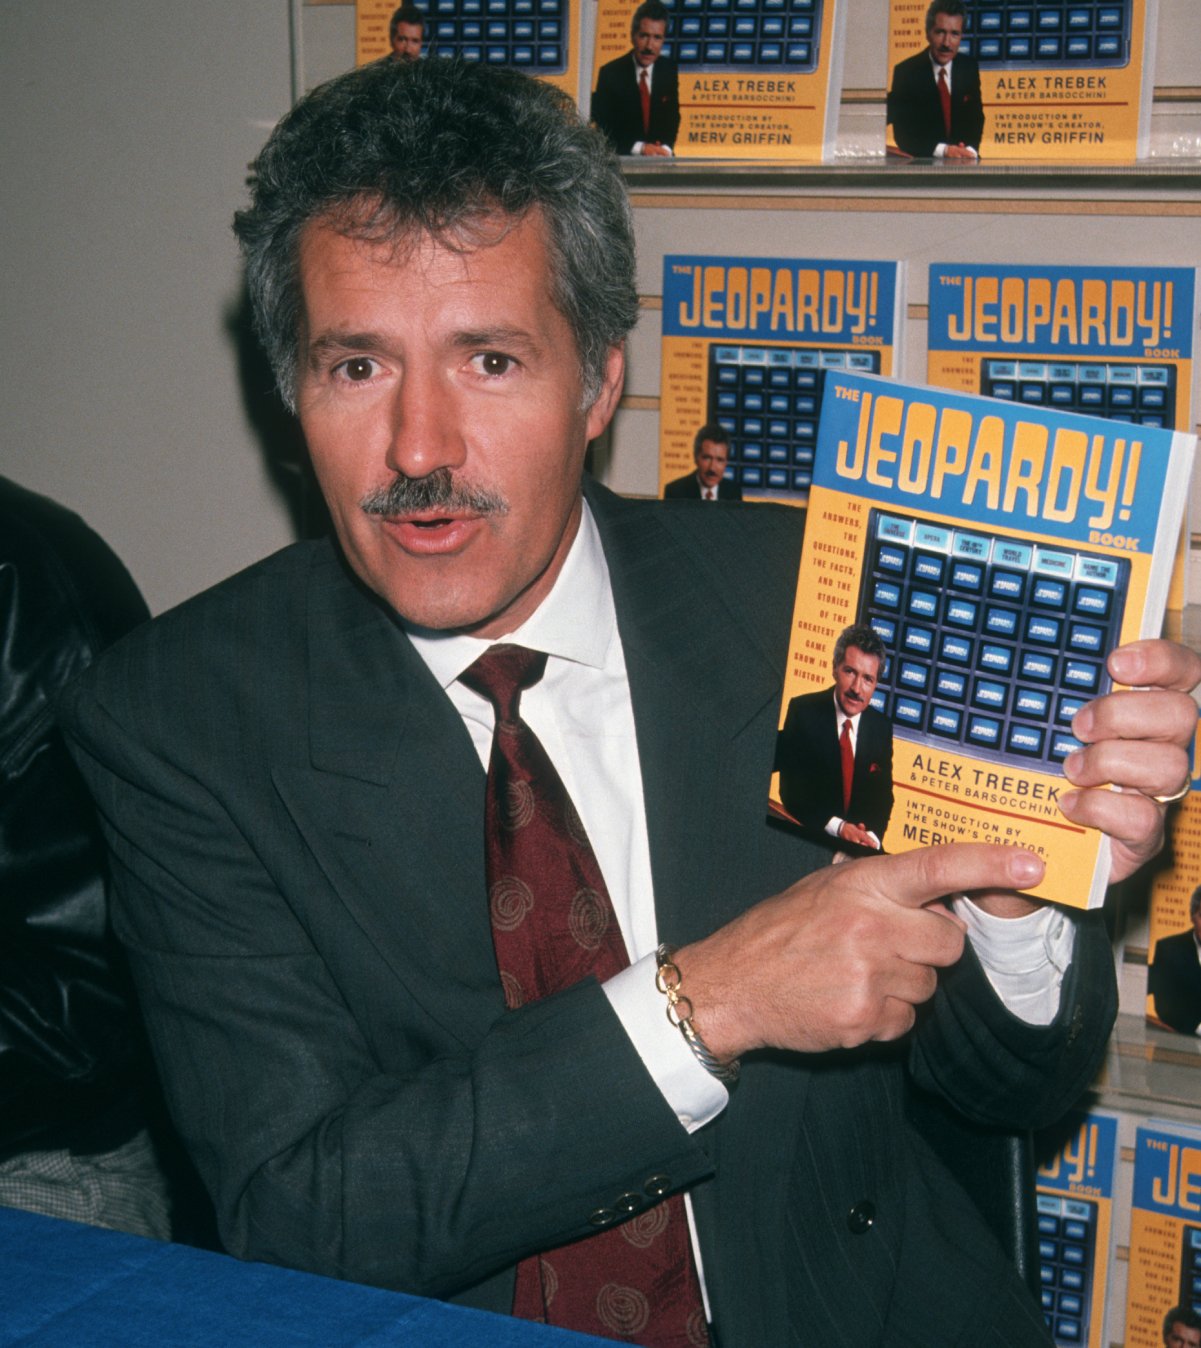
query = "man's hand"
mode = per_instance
[
  {"x": 858, "y": 833},
  {"x": 960, "y": 151},
  {"x": 1137, "y": 739},
  {"x": 843, "y": 956},
  {"x": 653, "y": 147}
]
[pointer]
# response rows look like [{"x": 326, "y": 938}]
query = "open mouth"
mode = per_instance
[{"x": 433, "y": 533}]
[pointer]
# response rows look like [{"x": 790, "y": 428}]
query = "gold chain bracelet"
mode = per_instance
[{"x": 679, "y": 1012}]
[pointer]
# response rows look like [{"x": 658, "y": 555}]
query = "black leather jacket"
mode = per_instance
[{"x": 70, "y": 1048}]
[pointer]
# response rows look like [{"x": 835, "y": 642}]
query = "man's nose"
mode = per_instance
[{"x": 425, "y": 432}]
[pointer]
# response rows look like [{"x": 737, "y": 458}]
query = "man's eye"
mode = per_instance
[
  {"x": 494, "y": 363},
  {"x": 357, "y": 369}
]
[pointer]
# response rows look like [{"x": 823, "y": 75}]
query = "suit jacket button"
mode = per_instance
[
  {"x": 630, "y": 1202},
  {"x": 657, "y": 1185},
  {"x": 861, "y": 1217},
  {"x": 602, "y": 1217}
]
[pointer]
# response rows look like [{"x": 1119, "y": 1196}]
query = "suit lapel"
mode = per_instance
[
  {"x": 392, "y": 802},
  {"x": 697, "y": 681}
]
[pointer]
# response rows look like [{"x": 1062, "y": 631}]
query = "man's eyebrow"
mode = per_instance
[
  {"x": 335, "y": 343},
  {"x": 338, "y": 343},
  {"x": 498, "y": 337}
]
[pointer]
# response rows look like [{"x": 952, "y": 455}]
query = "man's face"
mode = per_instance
[
  {"x": 1179, "y": 1336},
  {"x": 855, "y": 680},
  {"x": 422, "y": 365},
  {"x": 648, "y": 40},
  {"x": 944, "y": 35},
  {"x": 711, "y": 461},
  {"x": 406, "y": 41},
  {"x": 1197, "y": 934}
]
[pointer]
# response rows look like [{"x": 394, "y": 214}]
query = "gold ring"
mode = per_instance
[{"x": 1178, "y": 795}]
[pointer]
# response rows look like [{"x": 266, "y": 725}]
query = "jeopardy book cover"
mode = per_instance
[
  {"x": 747, "y": 344},
  {"x": 1116, "y": 342},
  {"x": 1173, "y": 959},
  {"x": 1057, "y": 81},
  {"x": 758, "y": 79},
  {"x": 998, "y": 552},
  {"x": 1075, "y": 1192},
  {"x": 1165, "y": 1229}
]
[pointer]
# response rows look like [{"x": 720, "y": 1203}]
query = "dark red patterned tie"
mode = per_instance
[
  {"x": 644, "y": 99},
  {"x": 847, "y": 754},
  {"x": 944, "y": 97},
  {"x": 552, "y": 925}
]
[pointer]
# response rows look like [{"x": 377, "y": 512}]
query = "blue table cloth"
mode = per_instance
[{"x": 66, "y": 1284}]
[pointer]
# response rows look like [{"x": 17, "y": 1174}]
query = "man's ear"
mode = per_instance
[{"x": 601, "y": 411}]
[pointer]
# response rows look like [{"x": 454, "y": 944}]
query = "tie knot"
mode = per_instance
[{"x": 502, "y": 673}]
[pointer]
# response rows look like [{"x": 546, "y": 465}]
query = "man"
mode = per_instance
[
  {"x": 710, "y": 453},
  {"x": 637, "y": 98},
  {"x": 1182, "y": 1328},
  {"x": 835, "y": 752},
  {"x": 324, "y": 894},
  {"x": 1175, "y": 978},
  {"x": 406, "y": 33},
  {"x": 934, "y": 105},
  {"x": 73, "y": 1062}
]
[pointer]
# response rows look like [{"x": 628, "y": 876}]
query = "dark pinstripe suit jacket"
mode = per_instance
[{"x": 296, "y": 816}]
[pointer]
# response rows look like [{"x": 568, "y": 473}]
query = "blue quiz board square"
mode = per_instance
[
  {"x": 1141, "y": 395},
  {"x": 767, "y": 400},
  {"x": 1003, "y": 654},
  {"x": 1028, "y": 34},
  {"x": 744, "y": 34},
  {"x": 530, "y": 35},
  {"x": 1067, "y": 1238}
]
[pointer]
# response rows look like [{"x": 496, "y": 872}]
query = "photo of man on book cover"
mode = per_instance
[{"x": 834, "y": 752}]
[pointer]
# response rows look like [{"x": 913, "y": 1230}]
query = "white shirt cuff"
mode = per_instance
[
  {"x": 695, "y": 1095},
  {"x": 1025, "y": 958}
]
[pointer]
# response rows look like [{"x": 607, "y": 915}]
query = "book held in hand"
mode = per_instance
[{"x": 992, "y": 555}]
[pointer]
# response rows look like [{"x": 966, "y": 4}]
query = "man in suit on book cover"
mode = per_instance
[
  {"x": 416, "y": 828},
  {"x": 637, "y": 98},
  {"x": 1175, "y": 978},
  {"x": 710, "y": 453},
  {"x": 835, "y": 752},
  {"x": 406, "y": 32},
  {"x": 1182, "y": 1328},
  {"x": 934, "y": 104}
]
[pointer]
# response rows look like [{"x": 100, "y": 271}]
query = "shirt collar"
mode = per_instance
[
  {"x": 575, "y": 622},
  {"x": 842, "y": 716}
]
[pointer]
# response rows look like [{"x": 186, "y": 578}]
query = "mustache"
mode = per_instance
[{"x": 439, "y": 490}]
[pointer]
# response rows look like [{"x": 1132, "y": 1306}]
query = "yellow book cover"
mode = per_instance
[
  {"x": 1075, "y": 1218},
  {"x": 979, "y": 559},
  {"x": 755, "y": 80},
  {"x": 540, "y": 37},
  {"x": 1027, "y": 80},
  {"x": 746, "y": 344},
  {"x": 1163, "y": 1280}
]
